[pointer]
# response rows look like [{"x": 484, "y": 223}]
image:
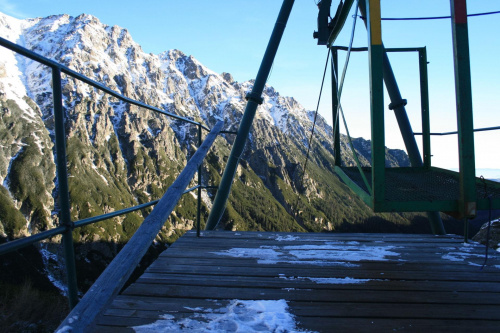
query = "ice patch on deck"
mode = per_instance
[
  {"x": 464, "y": 253},
  {"x": 286, "y": 238},
  {"x": 346, "y": 280},
  {"x": 237, "y": 316},
  {"x": 327, "y": 254}
]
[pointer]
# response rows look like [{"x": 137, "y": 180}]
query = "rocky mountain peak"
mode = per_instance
[
  {"x": 228, "y": 77},
  {"x": 119, "y": 154}
]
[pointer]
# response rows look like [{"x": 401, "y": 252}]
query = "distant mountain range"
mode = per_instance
[{"x": 121, "y": 155}]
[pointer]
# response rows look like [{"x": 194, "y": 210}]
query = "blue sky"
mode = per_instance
[{"x": 231, "y": 36}]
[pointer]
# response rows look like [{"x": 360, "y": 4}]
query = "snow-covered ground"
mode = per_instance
[{"x": 237, "y": 316}]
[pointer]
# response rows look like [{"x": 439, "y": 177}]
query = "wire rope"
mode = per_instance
[
  {"x": 313, "y": 126},
  {"x": 340, "y": 109},
  {"x": 430, "y": 17},
  {"x": 317, "y": 109}
]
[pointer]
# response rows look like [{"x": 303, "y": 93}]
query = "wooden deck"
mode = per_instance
[{"x": 331, "y": 282}]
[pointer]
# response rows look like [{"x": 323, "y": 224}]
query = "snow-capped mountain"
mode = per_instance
[{"x": 120, "y": 155}]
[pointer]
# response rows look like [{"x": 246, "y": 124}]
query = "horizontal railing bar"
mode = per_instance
[
  {"x": 228, "y": 132},
  {"x": 28, "y": 53},
  {"x": 191, "y": 189},
  {"x": 393, "y": 49},
  {"x": 27, "y": 241},
  {"x": 103, "y": 217},
  {"x": 119, "y": 270},
  {"x": 126, "y": 99},
  {"x": 438, "y": 134},
  {"x": 456, "y": 132},
  {"x": 53, "y": 64},
  {"x": 487, "y": 129}
]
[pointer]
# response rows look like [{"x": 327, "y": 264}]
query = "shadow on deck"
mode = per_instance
[{"x": 225, "y": 281}]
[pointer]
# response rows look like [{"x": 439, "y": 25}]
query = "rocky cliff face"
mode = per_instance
[{"x": 121, "y": 155}]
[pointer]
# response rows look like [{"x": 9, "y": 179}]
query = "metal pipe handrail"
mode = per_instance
[
  {"x": 26, "y": 241},
  {"x": 456, "y": 132},
  {"x": 389, "y": 49},
  {"x": 53, "y": 64}
]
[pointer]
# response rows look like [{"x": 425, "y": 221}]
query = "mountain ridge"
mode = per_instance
[{"x": 120, "y": 155}]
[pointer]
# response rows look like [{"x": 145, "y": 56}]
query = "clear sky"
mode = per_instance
[{"x": 231, "y": 36}]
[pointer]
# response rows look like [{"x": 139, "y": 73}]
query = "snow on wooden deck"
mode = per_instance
[{"x": 312, "y": 282}]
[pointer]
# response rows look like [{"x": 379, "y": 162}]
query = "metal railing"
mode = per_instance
[
  {"x": 484, "y": 129},
  {"x": 66, "y": 225}
]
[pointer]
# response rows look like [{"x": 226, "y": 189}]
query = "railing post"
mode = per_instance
[
  {"x": 466, "y": 230},
  {"x": 63, "y": 189},
  {"x": 463, "y": 92},
  {"x": 198, "y": 211},
  {"x": 424, "y": 105},
  {"x": 371, "y": 10}
]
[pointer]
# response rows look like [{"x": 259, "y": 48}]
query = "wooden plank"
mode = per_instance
[
  {"x": 255, "y": 243},
  {"x": 113, "y": 329},
  {"x": 322, "y": 235},
  {"x": 304, "y": 283},
  {"x": 165, "y": 304},
  {"x": 348, "y": 310},
  {"x": 162, "y": 264},
  {"x": 317, "y": 294},
  {"x": 370, "y": 325},
  {"x": 330, "y": 271},
  {"x": 287, "y": 255},
  {"x": 119, "y": 270}
]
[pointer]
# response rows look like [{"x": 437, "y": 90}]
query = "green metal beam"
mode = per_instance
[
  {"x": 339, "y": 24},
  {"x": 463, "y": 93},
  {"x": 335, "y": 108},
  {"x": 375, "y": 57},
  {"x": 424, "y": 106},
  {"x": 63, "y": 189},
  {"x": 254, "y": 99},
  {"x": 401, "y": 116}
]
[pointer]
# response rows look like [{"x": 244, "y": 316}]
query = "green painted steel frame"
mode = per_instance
[
  {"x": 384, "y": 72},
  {"x": 468, "y": 202},
  {"x": 424, "y": 106},
  {"x": 463, "y": 92},
  {"x": 335, "y": 107},
  {"x": 63, "y": 189},
  {"x": 424, "y": 96},
  {"x": 417, "y": 206},
  {"x": 375, "y": 60}
]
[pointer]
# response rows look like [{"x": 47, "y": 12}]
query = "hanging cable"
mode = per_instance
[
  {"x": 319, "y": 99},
  {"x": 314, "y": 125},
  {"x": 489, "y": 221},
  {"x": 341, "y": 111},
  {"x": 429, "y": 18}
]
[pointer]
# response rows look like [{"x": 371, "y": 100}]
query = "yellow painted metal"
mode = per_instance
[{"x": 375, "y": 23}]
